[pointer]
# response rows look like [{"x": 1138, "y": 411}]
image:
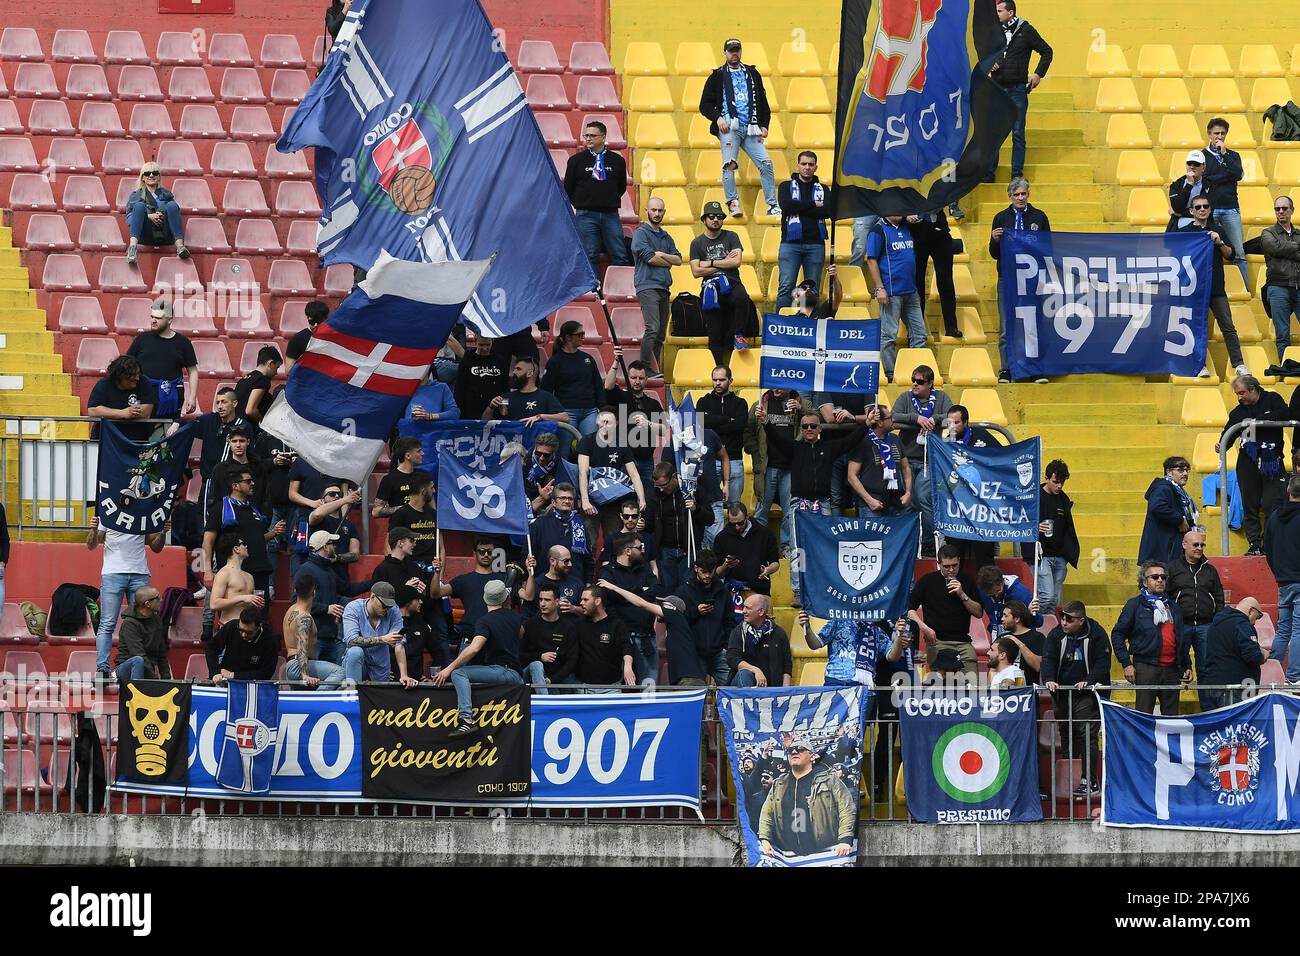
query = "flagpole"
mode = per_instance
[
  {"x": 925, "y": 476},
  {"x": 613, "y": 336},
  {"x": 690, "y": 536}
]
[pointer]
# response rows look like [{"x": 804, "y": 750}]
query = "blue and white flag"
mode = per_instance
[
  {"x": 688, "y": 442},
  {"x": 856, "y": 567},
  {"x": 364, "y": 362},
  {"x": 985, "y": 494},
  {"x": 426, "y": 150},
  {"x": 820, "y": 355},
  {"x": 796, "y": 758},
  {"x": 970, "y": 757},
  {"x": 1100, "y": 302},
  {"x": 137, "y": 483},
  {"x": 488, "y": 501},
  {"x": 248, "y": 745},
  {"x": 1233, "y": 769}
]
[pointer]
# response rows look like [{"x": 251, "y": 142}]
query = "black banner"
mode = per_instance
[
  {"x": 410, "y": 753},
  {"x": 154, "y": 732}
]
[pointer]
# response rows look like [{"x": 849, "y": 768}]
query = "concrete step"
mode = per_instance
[
  {"x": 44, "y": 429},
  {"x": 1070, "y": 414},
  {"x": 1050, "y": 137},
  {"x": 1088, "y": 471},
  {"x": 1137, "y": 437},
  {"x": 1105, "y": 502},
  {"x": 1050, "y": 101},
  {"x": 1083, "y": 212},
  {"x": 21, "y": 319},
  {"x": 1050, "y": 196},
  {"x": 1038, "y": 152},
  {"x": 1091, "y": 526},
  {"x": 1044, "y": 173},
  {"x": 1042, "y": 120},
  {"x": 35, "y": 404},
  {"x": 18, "y": 299},
  {"x": 32, "y": 341},
  {"x": 13, "y": 362}
]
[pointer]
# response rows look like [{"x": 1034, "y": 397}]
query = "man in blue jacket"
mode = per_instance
[
  {"x": 1151, "y": 643},
  {"x": 1223, "y": 170},
  {"x": 995, "y": 589},
  {"x": 1232, "y": 655},
  {"x": 1170, "y": 513}
]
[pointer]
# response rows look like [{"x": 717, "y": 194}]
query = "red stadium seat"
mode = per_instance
[
  {"x": 48, "y": 232},
  {"x": 242, "y": 84},
  {"x": 319, "y": 48},
  {"x": 595, "y": 352},
  {"x": 35, "y": 81},
  {"x": 597, "y": 93},
  {"x": 588, "y": 56},
  {"x": 244, "y": 197},
  {"x": 201, "y": 121},
  {"x": 70, "y": 156},
  {"x": 233, "y": 273},
  {"x": 99, "y": 234},
  {"x": 256, "y": 237},
  {"x": 203, "y": 234},
  {"x": 214, "y": 360},
  {"x": 537, "y": 56},
  {"x": 614, "y": 137},
  {"x": 139, "y": 84},
  {"x": 193, "y": 318},
  {"x": 293, "y": 317},
  {"x": 229, "y": 49},
  {"x": 193, "y": 197},
  {"x": 252, "y": 122},
  {"x": 49, "y": 725},
  {"x": 189, "y": 84},
  {"x": 19, "y": 769},
  {"x": 248, "y": 320},
  {"x": 64, "y": 272},
  {"x": 339, "y": 279},
  {"x": 21, "y": 43},
  {"x": 559, "y": 158},
  {"x": 124, "y": 46},
  {"x": 583, "y": 315},
  {"x": 22, "y": 665},
  {"x": 196, "y": 667},
  {"x": 103, "y": 119},
  {"x": 125, "y": 186},
  {"x": 132, "y": 315},
  {"x": 556, "y": 130},
  {"x": 83, "y": 662},
  {"x": 188, "y": 629},
  {"x": 248, "y": 360},
  {"x": 72, "y": 46},
  {"x": 278, "y": 165},
  {"x": 9, "y": 119},
  {"x": 82, "y": 314},
  {"x": 115, "y": 275},
  {"x": 618, "y": 284},
  {"x": 289, "y": 86},
  {"x": 17, "y": 156},
  {"x": 297, "y": 199},
  {"x": 290, "y": 277},
  {"x": 177, "y": 49},
  {"x": 629, "y": 324},
  {"x": 177, "y": 275},
  {"x": 282, "y": 50},
  {"x": 547, "y": 93},
  {"x": 93, "y": 355},
  {"x": 84, "y": 194},
  {"x": 50, "y": 118},
  {"x": 302, "y": 238},
  {"x": 86, "y": 81},
  {"x": 233, "y": 159},
  {"x": 150, "y": 120},
  {"x": 177, "y": 157}
]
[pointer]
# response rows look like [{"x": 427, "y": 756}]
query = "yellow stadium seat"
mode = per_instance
[
  {"x": 1220, "y": 95},
  {"x": 744, "y": 368},
  {"x": 1158, "y": 59},
  {"x": 1109, "y": 60},
  {"x": 755, "y": 54},
  {"x": 691, "y": 90},
  {"x": 971, "y": 366},
  {"x": 1286, "y": 170},
  {"x": 749, "y": 276},
  {"x": 1211, "y": 379},
  {"x": 807, "y": 94},
  {"x": 1232, "y": 284},
  {"x": 1252, "y": 169},
  {"x": 908, "y": 359},
  {"x": 963, "y": 282},
  {"x": 964, "y": 255},
  {"x": 698, "y": 135},
  {"x": 677, "y": 209},
  {"x": 984, "y": 405},
  {"x": 1208, "y": 59},
  {"x": 694, "y": 58},
  {"x": 1256, "y": 205},
  {"x": 771, "y": 248},
  {"x": 760, "y": 215},
  {"x": 1266, "y": 91},
  {"x": 855, "y": 285},
  {"x": 1256, "y": 360},
  {"x": 693, "y": 368},
  {"x": 1180, "y": 132},
  {"x": 1259, "y": 60},
  {"x": 798, "y": 59},
  {"x": 748, "y": 174},
  {"x": 708, "y": 168},
  {"x": 1137, "y": 167},
  {"x": 659, "y": 167},
  {"x": 813, "y": 673},
  {"x": 843, "y": 243},
  {"x": 1117, "y": 94},
  {"x": 682, "y": 278},
  {"x": 656, "y": 131},
  {"x": 775, "y": 134},
  {"x": 644, "y": 58},
  {"x": 1203, "y": 408},
  {"x": 1125, "y": 131},
  {"x": 813, "y": 131},
  {"x": 833, "y": 64},
  {"x": 650, "y": 94},
  {"x": 1243, "y": 319},
  {"x": 682, "y": 236},
  {"x": 1168, "y": 95},
  {"x": 1147, "y": 206},
  {"x": 1205, "y": 459},
  {"x": 968, "y": 321},
  {"x": 773, "y": 284},
  {"x": 713, "y": 194},
  {"x": 1292, "y": 352},
  {"x": 1240, "y": 135}
]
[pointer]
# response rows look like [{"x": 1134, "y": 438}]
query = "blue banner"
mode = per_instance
[
  {"x": 428, "y": 150},
  {"x": 1232, "y": 769},
  {"x": 820, "y": 355},
  {"x": 488, "y": 501},
  {"x": 608, "y": 484},
  {"x": 796, "y": 759},
  {"x": 856, "y": 567},
  {"x": 478, "y": 445},
  {"x": 137, "y": 483},
  {"x": 688, "y": 443},
  {"x": 970, "y": 757},
  {"x": 1093, "y": 302},
  {"x": 985, "y": 494},
  {"x": 252, "y": 726}
]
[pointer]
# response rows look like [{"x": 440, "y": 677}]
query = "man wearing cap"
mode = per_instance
[
  {"x": 327, "y": 605},
  {"x": 490, "y": 657},
  {"x": 1281, "y": 244},
  {"x": 734, "y": 102},
  {"x": 167, "y": 360},
  {"x": 809, "y": 809},
  {"x": 654, "y": 253},
  {"x": 1184, "y": 189},
  {"x": 805, "y": 205},
  {"x": 1233, "y": 654},
  {"x": 300, "y": 639},
  {"x": 332, "y": 516},
  {"x": 595, "y": 180},
  {"x": 371, "y": 625},
  {"x": 715, "y": 259}
]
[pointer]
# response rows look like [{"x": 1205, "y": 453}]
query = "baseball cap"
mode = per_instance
[
  {"x": 1195, "y": 156},
  {"x": 676, "y": 603},
  {"x": 731, "y": 44},
  {"x": 382, "y": 590},
  {"x": 398, "y": 533},
  {"x": 799, "y": 740},
  {"x": 496, "y": 593},
  {"x": 319, "y": 539},
  {"x": 406, "y": 594},
  {"x": 713, "y": 209}
]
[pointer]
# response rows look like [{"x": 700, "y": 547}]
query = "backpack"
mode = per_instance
[
  {"x": 34, "y": 617},
  {"x": 87, "y": 778},
  {"x": 1285, "y": 120},
  {"x": 686, "y": 317}
]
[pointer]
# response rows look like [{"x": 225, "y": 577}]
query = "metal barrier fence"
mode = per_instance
[
  {"x": 38, "y": 772},
  {"x": 1225, "y": 444}
]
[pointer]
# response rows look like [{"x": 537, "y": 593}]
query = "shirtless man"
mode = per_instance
[
  {"x": 232, "y": 588},
  {"x": 300, "y": 641}
]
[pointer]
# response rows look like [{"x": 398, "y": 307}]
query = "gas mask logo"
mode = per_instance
[{"x": 153, "y": 721}]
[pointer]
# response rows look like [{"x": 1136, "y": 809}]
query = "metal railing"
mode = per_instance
[{"x": 1225, "y": 443}]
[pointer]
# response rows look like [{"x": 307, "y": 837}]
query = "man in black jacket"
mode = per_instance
[
  {"x": 595, "y": 181},
  {"x": 246, "y": 648},
  {"x": 674, "y": 527},
  {"x": 1056, "y": 536},
  {"x": 1223, "y": 170},
  {"x": 1020, "y": 215},
  {"x": 480, "y": 377},
  {"x": 878, "y": 473},
  {"x": 1261, "y": 472},
  {"x": 747, "y": 551},
  {"x": 932, "y": 239},
  {"x": 709, "y": 612},
  {"x": 631, "y": 572},
  {"x": 811, "y": 460},
  {"x": 1151, "y": 642},
  {"x": 1282, "y": 547},
  {"x": 726, "y": 413},
  {"x": 1076, "y": 656},
  {"x": 1184, "y": 189},
  {"x": 1011, "y": 72},
  {"x": 1232, "y": 655},
  {"x": 1195, "y": 586},
  {"x": 805, "y": 204},
  {"x": 1199, "y": 207},
  {"x": 734, "y": 102}
]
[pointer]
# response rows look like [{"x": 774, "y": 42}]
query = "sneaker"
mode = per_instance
[
  {"x": 1255, "y": 551},
  {"x": 773, "y": 209},
  {"x": 1087, "y": 788},
  {"x": 1242, "y": 370},
  {"x": 742, "y": 343},
  {"x": 1204, "y": 372},
  {"x": 954, "y": 333},
  {"x": 1004, "y": 377},
  {"x": 955, "y": 211},
  {"x": 733, "y": 207},
  {"x": 464, "y": 726},
  {"x": 1041, "y": 380},
  {"x": 182, "y": 251},
  {"x": 131, "y": 252}
]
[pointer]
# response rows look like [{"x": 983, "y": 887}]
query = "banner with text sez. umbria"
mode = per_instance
[
  {"x": 970, "y": 757},
  {"x": 1235, "y": 769},
  {"x": 985, "y": 494},
  {"x": 1120, "y": 304},
  {"x": 410, "y": 753},
  {"x": 796, "y": 759}
]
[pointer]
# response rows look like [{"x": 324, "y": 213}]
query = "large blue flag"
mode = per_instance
[
  {"x": 856, "y": 567},
  {"x": 1232, "y": 769},
  {"x": 1120, "y": 304},
  {"x": 820, "y": 355},
  {"x": 136, "y": 482},
  {"x": 426, "y": 149},
  {"x": 488, "y": 501},
  {"x": 363, "y": 364},
  {"x": 248, "y": 746},
  {"x": 985, "y": 494},
  {"x": 688, "y": 442},
  {"x": 479, "y": 445}
]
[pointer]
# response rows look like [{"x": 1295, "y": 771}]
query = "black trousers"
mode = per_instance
[
  {"x": 1169, "y": 676},
  {"x": 726, "y": 322},
  {"x": 940, "y": 250},
  {"x": 1257, "y": 494}
]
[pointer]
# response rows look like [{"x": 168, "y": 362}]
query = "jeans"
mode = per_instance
[
  {"x": 112, "y": 589},
  {"x": 1227, "y": 222},
  {"x": 1019, "y": 95},
  {"x": 329, "y": 675},
  {"x": 535, "y": 675},
  {"x": 654, "y": 310},
  {"x": 1051, "y": 579},
  {"x": 1283, "y": 302},
  {"x": 736, "y": 479},
  {"x": 1288, "y": 634},
  {"x": 743, "y": 678},
  {"x": 907, "y": 307},
  {"x": 130, "y": 669},
  {"x": 329, "y": 650},
  {"x": 862, "y": 226},
  {"x": 645, "y": 658},
  {"x": 358, "y": 667},
  {"x": 137, "y": 221},
  {"x": 712, "y": 530},
  {"x": 811, "y": 256},
  {"x": 735, "y": 140},
  {"x": 583, "y": 419},
  {"x": 840, "y": 484},
  {"x": 598, "y": 228},
  {"x": 674, "y": 569},
  {"x": 463, "y": 677},
  {"x": 1197, "y": 634},
  {"x": 1222, "y": 312},
  {"x": 776, "y": 488}
]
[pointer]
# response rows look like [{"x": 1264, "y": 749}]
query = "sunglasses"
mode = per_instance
[
  {"x": 811, "y": 427},
  {"x": 798, "y": 750},
  {"x": 919, "y": 381},
  {"x": 1155, "y": 577},
  {"x": 712, "y": 216},
  {"x": 333, "y": 494},
  {"x": 483, "y": 550},
  {"x": 1071, "y": 617},
  {"x": 737, "y": 524},
  {"x": 543, "y": 455},
  {"x": 1201, "y": 207},
  {"x": 1281, "y": 208},
  {"x": 631, "y": 517},
  {"x": 152, "y": 173}
]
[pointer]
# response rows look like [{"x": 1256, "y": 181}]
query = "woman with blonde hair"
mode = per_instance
[{"x": 152, "y": 214}]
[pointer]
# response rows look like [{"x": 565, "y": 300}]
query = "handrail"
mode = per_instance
[{"x": 1225, "y": 442}]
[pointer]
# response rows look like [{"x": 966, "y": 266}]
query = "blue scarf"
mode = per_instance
[
  {"x": 1189, "y": 507},
  {"x": 754, "y": 636},
  {"x": 578, "y": 531},
  {"x": 712, "y": 290},
  {"x": 169, "y": 396},
  {"x": 729, "y": 94},
  {"x": 1267, "y": 456},
  {"x": 1020, "y": 220},
  {"x": 229, "y": 518},
  {"x": 887, "y": 467},
  {"x": 540, "y": 473},
  {"x": 1159, "y": 604},
  {"x": 598, "y": 170},
  {"x": 926, "y": 410},
  {"x": 794, "y": 221}
]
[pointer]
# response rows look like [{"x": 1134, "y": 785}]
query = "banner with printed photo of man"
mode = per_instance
[
  {"x": 985, "y": 494},
  {"x": 796, "y": 759}
]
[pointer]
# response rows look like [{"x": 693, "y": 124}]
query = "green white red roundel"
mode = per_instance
[{"x": 971, "y": 762}]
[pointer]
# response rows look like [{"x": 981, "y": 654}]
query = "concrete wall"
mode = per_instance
[{"x": 58, "y": 839}]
